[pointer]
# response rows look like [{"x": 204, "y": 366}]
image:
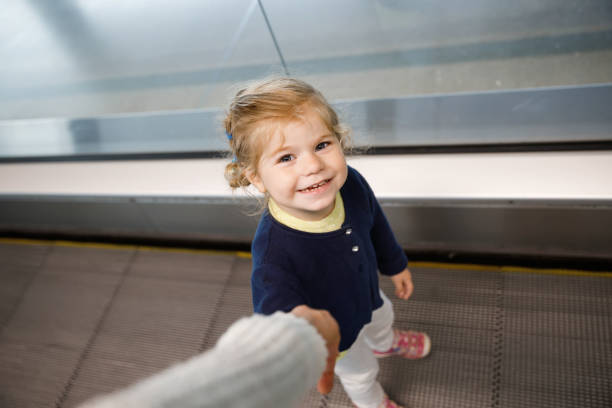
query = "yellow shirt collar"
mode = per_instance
[{"x": 330, "y": 223}]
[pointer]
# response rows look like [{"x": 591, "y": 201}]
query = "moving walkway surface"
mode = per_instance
[{"x": 81, "y": 319}]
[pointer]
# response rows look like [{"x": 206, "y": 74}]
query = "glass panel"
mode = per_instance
[
  {"x": 89, "y": 58},
  {"x": 396, "y": 48},
  {"x": 404, "y": 73}
]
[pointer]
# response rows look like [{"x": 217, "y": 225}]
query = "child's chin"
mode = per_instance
[{"x": 321, "y": 211}]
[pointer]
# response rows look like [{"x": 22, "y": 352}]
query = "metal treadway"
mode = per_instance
[{"x": 79, "y": 320}]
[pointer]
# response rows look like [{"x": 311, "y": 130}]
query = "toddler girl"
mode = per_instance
[{"x": 323, "y": 236}]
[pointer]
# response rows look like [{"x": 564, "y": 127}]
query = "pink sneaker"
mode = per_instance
[
  {"x": 408, "y": 344},
  {"x": 387, "y": 403}
]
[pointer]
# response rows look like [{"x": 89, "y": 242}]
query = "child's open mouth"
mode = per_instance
[{"x": 315, "y": 187}]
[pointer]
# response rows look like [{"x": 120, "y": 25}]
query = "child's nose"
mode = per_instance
[{"x": 312, "y": 163}]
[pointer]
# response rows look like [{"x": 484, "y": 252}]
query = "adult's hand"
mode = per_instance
[{"x": 328, "y": 328}]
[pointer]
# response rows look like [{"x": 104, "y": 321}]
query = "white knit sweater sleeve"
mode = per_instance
[{"x": 261, "y": 361}]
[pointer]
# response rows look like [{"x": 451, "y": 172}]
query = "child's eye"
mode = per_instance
[
  {"x": 285, "y": 158},
  {"x": 322, "y": 145}
]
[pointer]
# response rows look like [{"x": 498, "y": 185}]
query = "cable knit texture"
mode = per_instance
[{"x": 261, "y": 361}]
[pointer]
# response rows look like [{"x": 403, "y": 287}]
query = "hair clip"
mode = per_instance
[{"x": 229, "y": 135}]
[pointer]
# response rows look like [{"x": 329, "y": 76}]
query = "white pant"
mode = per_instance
[{"x": 358, "y": 368}]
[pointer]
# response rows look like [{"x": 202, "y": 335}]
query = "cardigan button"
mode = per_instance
[
  {"x": 349, "y": 231},
  {"x": 355, "y": 248}
]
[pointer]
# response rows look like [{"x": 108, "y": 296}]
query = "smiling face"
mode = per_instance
[{"x": 302, "y": 167}]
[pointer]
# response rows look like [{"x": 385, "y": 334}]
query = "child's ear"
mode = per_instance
[{"x": 255, "y": 180}]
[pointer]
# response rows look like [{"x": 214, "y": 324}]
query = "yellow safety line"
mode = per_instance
[
  {"x": 247, "y": 255},
  {"x": 100, "y": 245},
  {"x": 189, "y": 250},
  {"x": 496, "y": 268}
]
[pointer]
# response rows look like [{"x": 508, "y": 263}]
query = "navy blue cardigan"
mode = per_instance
[{"x": 336, "y": 271}]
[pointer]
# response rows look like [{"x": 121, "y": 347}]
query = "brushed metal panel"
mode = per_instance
[
  {"x": 494, "y": 227},
  {"x": 524, "y": 116},
  {"x": 570, "y": 230}
]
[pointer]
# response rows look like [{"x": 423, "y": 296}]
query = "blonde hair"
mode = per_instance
[{"x": 257, "y": 110}]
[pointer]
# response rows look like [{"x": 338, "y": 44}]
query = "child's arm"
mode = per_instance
[{"x": 390, "y": 256}]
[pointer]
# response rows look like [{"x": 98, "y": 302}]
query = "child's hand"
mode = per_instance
[{"x": 403, "y": 284}]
